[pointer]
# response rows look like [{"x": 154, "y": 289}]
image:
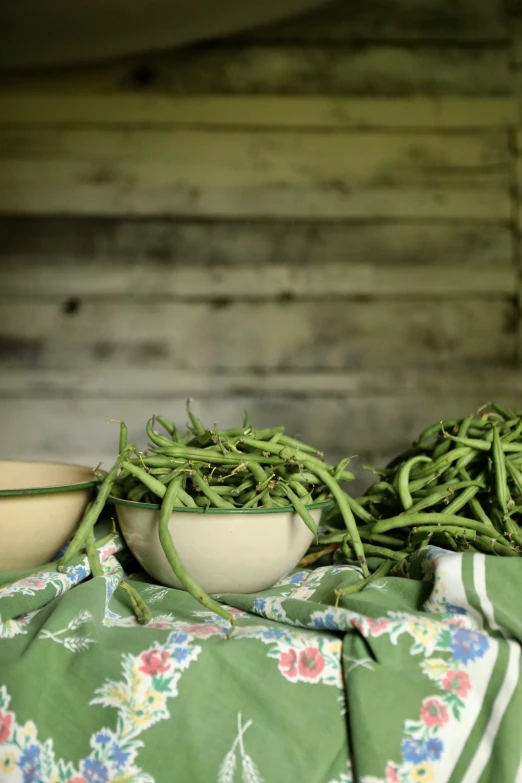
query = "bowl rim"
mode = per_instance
[
  {"x": 28, "y": 491},
  {"x": 114, "y": 501}
]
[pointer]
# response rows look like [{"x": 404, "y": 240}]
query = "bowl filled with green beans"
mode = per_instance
[
  {"x": 41, "y": 504},
  {"x": 217, "y": 510}
]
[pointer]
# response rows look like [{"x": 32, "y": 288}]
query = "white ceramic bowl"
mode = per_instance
[
  {"x": 225, "y": 551},
  {"x": 41, "y": 504}
]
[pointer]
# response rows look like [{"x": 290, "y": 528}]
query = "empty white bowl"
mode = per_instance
[
  {"x": 41, "y": 504},
  {"x": 239, "y": 551}
]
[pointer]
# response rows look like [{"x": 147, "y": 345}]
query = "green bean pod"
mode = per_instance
[
  {"x": 404, "y": 478},
  {"x": 322, "y": 473},
  {"x": 190, "y": 584}
]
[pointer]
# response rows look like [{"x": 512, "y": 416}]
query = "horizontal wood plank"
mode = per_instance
[
  {"x": 341, "y": 174},
  {"x": 251, "y": 282},
  {"x": 104, "y": 382},
  {"x": 43, "y": 243},
  {"x": 266, "y": 336},
  {"x": 291, "y": 69},
  {"x": 394, "y": 20},
  {"x": 260, "y": 111}
]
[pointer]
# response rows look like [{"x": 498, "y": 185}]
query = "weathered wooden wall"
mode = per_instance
[{"x": 318, "y": 221}]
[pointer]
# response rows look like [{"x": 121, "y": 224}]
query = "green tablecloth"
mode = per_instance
[{"x": 414, "y": 679}]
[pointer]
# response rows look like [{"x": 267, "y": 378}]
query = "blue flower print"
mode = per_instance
[
  {"x": 434, "y": 748},
  {"x": 468, "y": 645},
  {"x": 29, "y": 763},
  {"x": 326, "y": 622},
  {"x": 102, "y": 738},
  {"x": 179, "y": 654},
  {"x": 78, "y": 574},
  {"x": 413, "y": 751},
  {"x": 297, "y": 578},
  {"x": 119, "y": 756},
  {"x": 259, "y": 604},
  {"x": 94, "y": 771},
  {"x": 272, "y": 635},
  {"x": 178, "y": 638},
  {"x": 452, "y": 609}
]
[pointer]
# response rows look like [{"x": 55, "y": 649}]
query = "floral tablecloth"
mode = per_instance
[{"x": 417, "y": 678}]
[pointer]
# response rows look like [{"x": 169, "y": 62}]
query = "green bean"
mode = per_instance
[
  {"x": 464, "y": 497},
  {"x": 258, "y": 473},
  {"x": 304, "y": 476},
  {"x": 486, "y": 544},
  {"x": 515, "y": 475},
  {"x": 351, "y": 588},
  {"x": 186, "y": 499},
  {"x": 464, "y": 426},
  {"x": 214, "y": 498},
  {"x": 430, "y": 432},
  {"x": 441, "y": 448},
  {"x": 123, "y": 434},
  {"x": 339, "y": 468},
  {"x": 453, "y": 530},
  {"x": 199, "y": 455},
  {"x": 298, "y": 444},
  {"x": 370, "y": 550},
  {"x": 404, "y": 477},
  {"x": 149, "y": 481},
  {"x": 506, "y": 413},
  {"x": 514, "y": 434},
  {"x": 199, "y": 429},
  {"x": 344, "y": 508},
  {"x": 472, "y": 443},
  {"x": 92, "y": 554},
  {"x": 445, "y": 461},
  {"x": 382, "y": 486},
  {"x": 438, "y": 495},
  {"x": 461, "y": 463},
  {"x": 90, "y": 517},
  {"x": 167, "y": 425},
  {"x": 137, "y": 493},
  {"x": 301, "y": 510},
  {"x": 247, "y": 424},
  {"x": 139, "y": 607},
  {"x": 435, "y": 519},
  {"x": 158, "y": 440},
  {"x": 512, "y": 447},
  {"x": 286, "y": 452},
  {"x": 499, "y": 464},
  {"x": 299, "y": 490},
  {"x": 450, "y": 541},
  {"x": 190, "y": 585}
]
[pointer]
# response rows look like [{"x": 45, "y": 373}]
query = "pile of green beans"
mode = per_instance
[
  {"x": 458, "y": 487},
  {"x": 235, "y": 469}
]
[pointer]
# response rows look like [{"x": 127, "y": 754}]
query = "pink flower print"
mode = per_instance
[
  {"x": 108, "y": 550},
  {"x": 458, "y": 682},
  {"x": 155, "y": 662},
  {"x": 311, "y": 663},
  {"x": 33, "y": 583},
  {"x": 377, "y": 626},
  {"x": 433, "y": 713},
  {"x": 6, "y": 719},
  {"x": 77, "y": 779},
  {"x": 202, "y": 630},
  {"x": 391, "y": 773},
  {"x": 288, "y": 664}
]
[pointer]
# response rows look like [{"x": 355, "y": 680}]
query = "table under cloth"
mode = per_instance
[{"x": 416, "y": 678}]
